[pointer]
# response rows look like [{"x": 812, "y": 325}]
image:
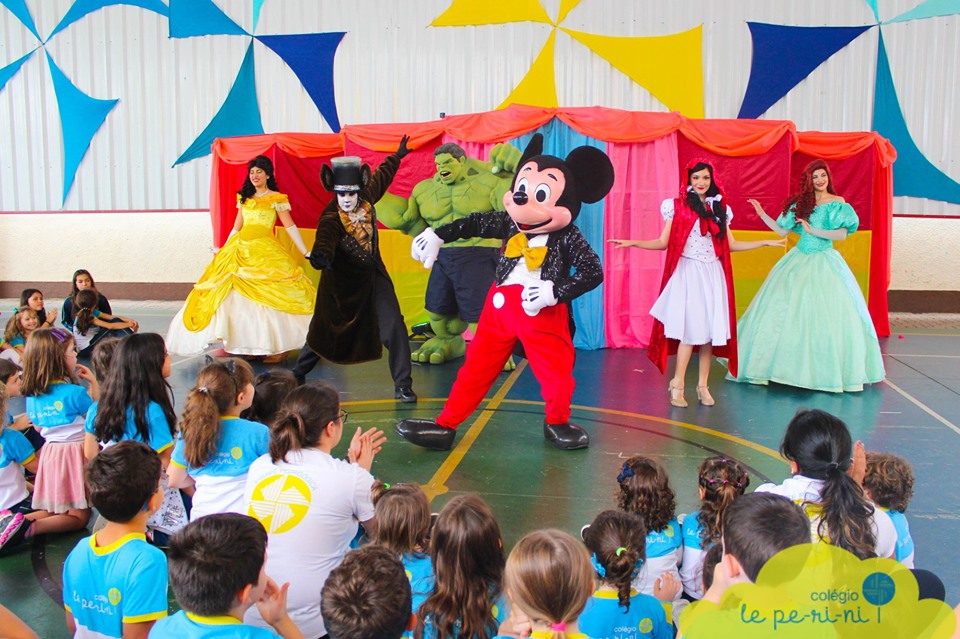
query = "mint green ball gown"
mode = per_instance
[{"x": 808, "y": 326}]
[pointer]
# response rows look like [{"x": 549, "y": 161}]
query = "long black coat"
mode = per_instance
[{"x": 344, "y": 327}]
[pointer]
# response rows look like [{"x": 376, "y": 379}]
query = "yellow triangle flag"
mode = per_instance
[
  {"x": 670, "y": 67},
  {"x": 464, "y": 13},
  {"x": 566, "y": 6},
  {"x": 539, "y": 86}
]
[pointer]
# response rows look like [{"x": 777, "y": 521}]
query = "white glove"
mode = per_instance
[
  {"x": 294, "y": 234},
  {"x": 537, "y": 296},
  {"x": 426, "y": 247}
]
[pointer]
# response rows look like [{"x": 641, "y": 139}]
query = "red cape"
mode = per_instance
[{"x": 661, "y": 347}]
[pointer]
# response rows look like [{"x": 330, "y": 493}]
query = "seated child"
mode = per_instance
[
  {"x": 889, "y": 484},
  {"x": 33, "y": 298},
  {"x": 21, "y": 324},
  {"x": 617, "y": 544},
  {"x": 367, "y": 596},
  {"x": 755, "y": 528},
  {"x": 216, "y": 572},
  {"x": 271, "y": 388},
  {"x": 114, "y": 582},
  {"x": 402, "y": 512},
  {"x": 16, "y": 453}
]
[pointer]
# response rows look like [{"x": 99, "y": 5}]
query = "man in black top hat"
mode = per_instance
[{"x": 357, "y": 307}]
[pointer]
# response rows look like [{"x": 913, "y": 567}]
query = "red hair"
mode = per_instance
[{"x": 806, "y": 199}]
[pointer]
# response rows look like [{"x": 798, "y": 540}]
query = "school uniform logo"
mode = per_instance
[{"x": 280, "y": 502}]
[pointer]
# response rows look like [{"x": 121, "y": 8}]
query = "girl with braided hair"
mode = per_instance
[
  {"x": 826, "y": 483},
  {"x": 720, "y": 480},
  {"x": 808, "y": 325},
  {"x": 616, "y": 541}
]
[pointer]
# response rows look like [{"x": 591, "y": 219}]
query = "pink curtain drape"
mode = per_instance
[{"x": 648, "y": 176}]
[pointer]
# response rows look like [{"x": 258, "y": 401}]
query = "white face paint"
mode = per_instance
[{"x": 347, "y": 201}]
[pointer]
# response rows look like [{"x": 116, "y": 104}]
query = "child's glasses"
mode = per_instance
[{"x": 343, "y": 416}]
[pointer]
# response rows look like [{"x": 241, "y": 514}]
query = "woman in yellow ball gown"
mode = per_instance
[{"x": 254, "y": 297}]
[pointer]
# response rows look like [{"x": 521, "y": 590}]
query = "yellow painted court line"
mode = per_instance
[
  {"x": 438, "y": 483},
  {"x": 661, "y": 420},
  {"x": 923, "y": 407}
]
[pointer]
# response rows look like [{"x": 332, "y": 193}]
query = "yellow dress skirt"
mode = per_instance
[{"x": 253, "y": 297}]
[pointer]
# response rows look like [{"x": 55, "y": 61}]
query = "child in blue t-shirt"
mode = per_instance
[
  {"x": 402, "y": 512},
  {"x": 16, "y": 453},
  {"x": 136, "y": 402},
  {"x": 617, "y": 543},
  {"x": 19, "y": 327},
  {"x": 216, "y": 446},
  {"x": 57, "y": 405},
  {"x": 114, "y": 582},
  {"x": 720, "y": 480},
  {"x": 216, "y": 572},
  {"x": 888, "y": 483},
  {"x": 643, "y": 488},
  {"x": 90, "y": 324}
]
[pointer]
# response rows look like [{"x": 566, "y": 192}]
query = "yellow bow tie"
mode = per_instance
[{"x": 517, "y": 246}]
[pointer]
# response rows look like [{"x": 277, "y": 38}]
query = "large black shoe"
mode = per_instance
[
  {"x": 566, "y": 436},
  {"x": 405, "y": 394},
  {"x": 426, "y": 433}
]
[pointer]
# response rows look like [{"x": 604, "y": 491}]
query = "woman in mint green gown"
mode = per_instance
[{"x": 808, "y": 326}]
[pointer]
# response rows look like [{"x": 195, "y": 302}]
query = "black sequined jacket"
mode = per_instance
[{"x": 571, "y": 263}]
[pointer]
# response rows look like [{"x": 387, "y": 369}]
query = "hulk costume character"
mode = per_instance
[{"x": 464, "y": 270}]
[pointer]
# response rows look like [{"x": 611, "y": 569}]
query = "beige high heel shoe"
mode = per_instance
[
  {"x": 676, "y": 395},
  {"x": 703, "y": 394}
]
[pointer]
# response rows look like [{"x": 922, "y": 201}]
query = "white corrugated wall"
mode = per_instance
[{"x": 393, "y": 67}]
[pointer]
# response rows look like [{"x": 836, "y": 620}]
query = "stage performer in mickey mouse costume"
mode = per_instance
[
  {"x": 544, "y": 266},
  {"x": 357, "y": 306}
]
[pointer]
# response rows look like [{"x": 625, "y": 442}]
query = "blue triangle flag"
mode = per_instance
[
  {"x": 239, "y": 114},
  {"x": 310, "y": 56},
  {"x": 80, "y": 118},
  {"x": 783, "y": 56},
  {"x": 929, "y": 9},
  {"x": 19, "y": 9},
  {"x": 81, "y": 8},
  {"x": 257, "y": 6},
  {"x": 11, "y": 69},
  {"x": 190, "y": 18},
  {"x": 913, "y": 173}
]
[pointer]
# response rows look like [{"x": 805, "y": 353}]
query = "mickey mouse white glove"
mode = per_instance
[
  {"x": 537, "y": 296},
  {"x": 426, "y": 247}
]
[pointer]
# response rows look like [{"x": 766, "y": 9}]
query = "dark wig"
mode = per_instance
[
  {"x": 261, "y": 161},
  {"x": 716, "y": 211}
]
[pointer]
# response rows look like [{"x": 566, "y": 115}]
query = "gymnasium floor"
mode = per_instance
[{"x": 621, "y": 399}]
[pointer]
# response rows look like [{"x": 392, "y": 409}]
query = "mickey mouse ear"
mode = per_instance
[{"x": 594, "y": 172}]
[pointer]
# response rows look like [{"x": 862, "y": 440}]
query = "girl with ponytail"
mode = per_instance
[
  {"x": 310, "y": 502},
  {"x": 821, "y": 455},
  {"x": 549, "y": 580},
  {"x": 617, "y": 543},
  {"x": 721, "y": 480},
  {"x": 216, "y": 446}
]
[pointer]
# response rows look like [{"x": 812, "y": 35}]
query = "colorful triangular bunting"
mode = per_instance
[
  {"x": 539, "y": 86},
  {"x": 80, "y": 118},
  {"x": 257, "y": 7},
  {"x": 929, "y": 9},
  {"x": 190, "y": 18},
  {"x": 913, "y": 173},
  {"x": 19, "y": 9},
  {"x": 81, "y": 8},
  {"x": 11, "y": 69},
  {"x": 566, "y": 6},
  {"x": 239, "y": 114},
  {"x": 873, "y": 7},
  {"x": 464, "y": 13},
  {"x": 670, "y": 67},
  {"x": 310, "y": 56},
  {"x": 785, "y": 55}
]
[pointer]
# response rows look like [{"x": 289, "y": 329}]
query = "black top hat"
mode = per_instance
[{"x": 346, "y": 174}]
